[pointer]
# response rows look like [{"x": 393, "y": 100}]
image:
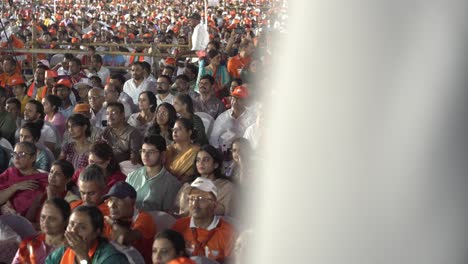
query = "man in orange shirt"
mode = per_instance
[
  {"x": 126, "y": 225},
  {"x": 240, "y": 62},
  {"x": 92, "y": 186},
  {"x": 205, "y": 234},
  {"x": 9, "y": 72}
]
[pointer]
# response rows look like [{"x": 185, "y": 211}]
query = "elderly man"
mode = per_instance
[
  {"x": 92, "y": 187},
  {"x": 156, "y": 187},
  {"x": 138, "y": 83},
  {"x": 125, "y": 225},
  {"x": 125, "y": 140},
  {"x": 205, "y": 233},
  {"x": 96, "y": 101},
  {"x": 207, "y": 101},
  {"x": 232, "y": 123}
]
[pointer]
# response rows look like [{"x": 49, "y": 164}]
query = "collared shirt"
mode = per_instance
[
  {"x": 169, "y": 99},
  {"x": 128, "y": 141},
  {"x": 226, "y": 128},
  {"x": 212, "y": 106},
  {"x": 97, "y": 118},
  {"x": 104, "y": 74},
  {"x": 200, "y": 37},
  {"x": 155, "y": 193},
  {"x": 134, "y": 91}
]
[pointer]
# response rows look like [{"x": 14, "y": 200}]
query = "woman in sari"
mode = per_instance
[
  {"x": 218, "y": 71},
  {"x": 181, "y": 154},
  {"x": 53, "y": 221},
  {"x": 20, "y": 184}
]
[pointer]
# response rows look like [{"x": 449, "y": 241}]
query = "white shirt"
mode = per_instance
[
  {"x": 226, "y": 128},
  {"x": 200, "y": 37},
  {"x": 253, "y": 134},
  {"x": 134, "y": 91},
  {"x": 96, "y": 119},
  {"x": 169, "y": 99},
  {"x": 104, "y": 74}
]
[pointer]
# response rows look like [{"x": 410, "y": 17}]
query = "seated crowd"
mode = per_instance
[{"x": 95, "y": 165}]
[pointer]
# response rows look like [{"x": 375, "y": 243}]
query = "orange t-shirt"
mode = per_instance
[
  {"x": 102, "y": 207},
  {"x": 237, "y": 63},
  {"x": 220, "y": 240},
  {"x": 144, "y": 223}
]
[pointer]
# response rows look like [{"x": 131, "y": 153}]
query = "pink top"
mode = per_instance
[
  {"x": 21, "y": 200},
  {"x": 59, "y": 121},
  {"x": 116, "y": 177}
]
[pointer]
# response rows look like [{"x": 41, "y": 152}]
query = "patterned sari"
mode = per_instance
[{"x": 181, "y": 165}]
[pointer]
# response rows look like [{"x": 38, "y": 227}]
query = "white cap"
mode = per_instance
[
  {"x": 206, "y": 185},
  {"x": 83, "y": 81},
  {"x": 45, "y": 63}
]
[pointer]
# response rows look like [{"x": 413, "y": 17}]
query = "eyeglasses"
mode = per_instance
[
  {"x": 200, "y": 199},
  {"x": 20, "y": 154},
  {"x": 150, "y": 152}
]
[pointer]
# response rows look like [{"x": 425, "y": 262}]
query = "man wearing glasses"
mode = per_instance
[
  {"x": 163, "y": 85},
  {"x": 156, "y": 188},
  {"x": 205, "y": 233}
]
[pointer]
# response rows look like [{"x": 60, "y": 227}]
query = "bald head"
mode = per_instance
[{"x": 96, "y": 98}]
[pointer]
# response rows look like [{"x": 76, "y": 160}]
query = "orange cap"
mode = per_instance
[
  {"x": 81, "y": 108},
  {"x": 86, "y": 36},
  {"x": 15, "y": 81},
  {"x": 170, "y": 61},
  {"x": 75, "y": 40},
  {"x": 51, "y": 74},
  {"x": 64, "y": 82},
  {"x": 240, "y": 92},
  {"x": 147, "y": 35}
]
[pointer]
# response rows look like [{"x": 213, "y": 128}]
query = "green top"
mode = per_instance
[
  {"x": 156, "y": 193},
  {"x": 105, "y": 254}
]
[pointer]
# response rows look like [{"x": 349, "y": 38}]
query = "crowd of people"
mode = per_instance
[{"x": 129, "y": 158}]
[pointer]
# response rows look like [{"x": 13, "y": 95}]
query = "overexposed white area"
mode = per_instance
[{"x": 366, "y": 158}]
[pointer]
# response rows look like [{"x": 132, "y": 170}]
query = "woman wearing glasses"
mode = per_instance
[
  {"x": 164, "y": 121},
  {"x": 31, "y": 132},
  {"x": 20, "y": 184}
]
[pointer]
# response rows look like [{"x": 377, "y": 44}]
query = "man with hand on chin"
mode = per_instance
[
  {"x": 125, "y": 224},
  {"x": 83, "y": 241}
]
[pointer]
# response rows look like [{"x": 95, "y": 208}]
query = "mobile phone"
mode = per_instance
[{"x": 104, "y": 123}]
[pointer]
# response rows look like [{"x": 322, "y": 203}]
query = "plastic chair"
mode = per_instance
[
  {"x": 56, "y": 59},
  {"x": 19, "y": 224},
  {"x": 208, "y": 122},
  {"x": 162, "y": 220},
  {"x": 133, "y": 255}
]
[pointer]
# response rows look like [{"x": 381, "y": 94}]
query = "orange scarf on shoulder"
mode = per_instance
[{"x": 69, "y": 254}]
